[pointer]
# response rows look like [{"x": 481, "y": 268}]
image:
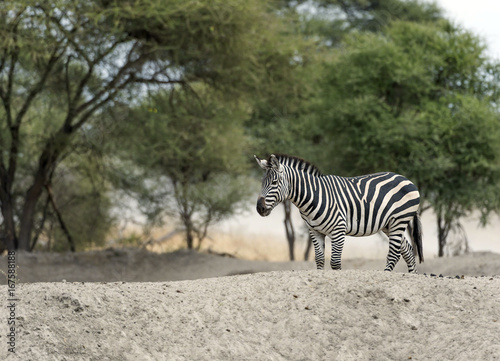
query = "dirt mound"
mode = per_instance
[
  {"x": 286, "y": 315},
  {"x": 359, "y": 313}
]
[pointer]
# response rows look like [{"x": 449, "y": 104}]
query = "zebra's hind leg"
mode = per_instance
[
  {"x": 398, "y": 244},
  {"x": 319, "y": 248},
  {"x": 394, "y": 252},
  {"x": 394, "y": 249},
  {"x": 408, "y": 255}
]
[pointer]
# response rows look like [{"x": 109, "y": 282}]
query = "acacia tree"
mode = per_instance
[
  {"x": 186, "y": 157},
  {"x": 423, "y": 101},
  {"x": 86, "y": 57}
]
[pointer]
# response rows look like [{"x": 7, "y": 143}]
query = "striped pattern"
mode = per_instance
[{"x": 336, "y": 206}]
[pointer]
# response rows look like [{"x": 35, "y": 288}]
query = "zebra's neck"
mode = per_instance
[{"x": 304, "y": 189}]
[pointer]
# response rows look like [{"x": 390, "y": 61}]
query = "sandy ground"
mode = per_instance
[{"x": 130, "y": 305}]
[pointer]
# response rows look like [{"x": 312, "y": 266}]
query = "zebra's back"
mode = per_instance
[{"x": 370, "y": 202}]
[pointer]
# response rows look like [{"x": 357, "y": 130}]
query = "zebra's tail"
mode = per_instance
[{"x": 416, "y": 237}]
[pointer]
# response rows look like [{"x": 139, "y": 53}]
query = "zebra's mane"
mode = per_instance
[{"x": 298, "y": 163}]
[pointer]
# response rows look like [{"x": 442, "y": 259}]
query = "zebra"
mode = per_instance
[{"x": 336, "y": 206}]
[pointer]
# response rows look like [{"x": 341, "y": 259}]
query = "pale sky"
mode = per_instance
[{"x": 480, "y": 16}]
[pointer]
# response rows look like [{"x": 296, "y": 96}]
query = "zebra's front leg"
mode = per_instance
[
  {"x": 319, "y": 248},
  {"x": 338, "y": 239}
]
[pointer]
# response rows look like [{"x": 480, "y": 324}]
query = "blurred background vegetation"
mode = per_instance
[{"x": 164, "y": 102}]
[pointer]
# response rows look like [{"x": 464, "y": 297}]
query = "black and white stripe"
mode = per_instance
[{"x": 336, "y": 206}]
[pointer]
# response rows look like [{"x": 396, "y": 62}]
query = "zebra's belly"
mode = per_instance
[
  {"x": 330, "y": 226},
  {"x": 358, "y": 233}
]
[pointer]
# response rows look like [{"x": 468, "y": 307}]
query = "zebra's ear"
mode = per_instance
[
  {"x": 275, "y": 163},
  {"x": 261, "y": 162}
]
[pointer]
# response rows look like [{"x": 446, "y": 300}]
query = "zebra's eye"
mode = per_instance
[{"x": 274, "y": 182}]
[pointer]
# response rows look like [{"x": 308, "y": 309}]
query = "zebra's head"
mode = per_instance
[{"x": 274, "y": 185}]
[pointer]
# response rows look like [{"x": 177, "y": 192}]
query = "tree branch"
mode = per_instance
[
  {"x": 112, "y": 84},
  {"x": 14, "y": 130},
  {"x": 10, "y": 83},
  {"x": 57, "y": 23},
  {"x": 154, "y": 80},
  {"x": 96, "y": 106},
  {"x": 54, "y": 57},
  {"x": 68, "y": 88},
  {"x": 14, "y": 126},
  {"x": 6, "y": 94},
  {"x": 72, "y": 111},
  {"x": 42, "y": 223},
  {"x": 83, "y": 82},
  {"x": 3, "y": 182},
  {"x": 59, "y": 217}
]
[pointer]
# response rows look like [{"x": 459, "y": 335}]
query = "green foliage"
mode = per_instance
[
  {"x": 191, "y": 148},
  {"x": 279, "y": 111},
  {"x": 458, "y": 156},
  {"x": 334, "y": 19},
  {"x": 284, "y": 122},
  {"x": 86, "y": 213},
  {"x": 176, "y": 131},
  {"x": 230, "y": 45},
  {"x": 81, "y": 196}
]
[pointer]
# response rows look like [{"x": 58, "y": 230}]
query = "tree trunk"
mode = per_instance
[
  {"x": 28, "y": 213},
  {"x": 189, "y": 238},
  {"x": 42, "y": 224},
  {"x": 188, "y": 225},
  {"x": 444, "y": 227},
  {"x": 290, "y": 233},
  {"x": 308, "y": 248},
  {"x": 60, "y": 218},
  {"x": 46, "y": 166},
  {"x": 9, "y": 225}
]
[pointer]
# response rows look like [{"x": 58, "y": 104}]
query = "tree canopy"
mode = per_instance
[
  {"x": 183, "y": 156},
  {"x": 64, "y": 65}
]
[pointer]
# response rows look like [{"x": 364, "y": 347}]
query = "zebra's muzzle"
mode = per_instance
[{"x": 261, "y": 207}]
